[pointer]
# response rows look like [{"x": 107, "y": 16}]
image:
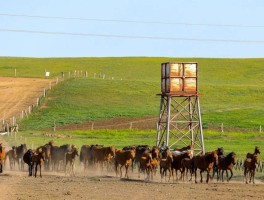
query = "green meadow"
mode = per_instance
[
  {"x": 240, "y": 143},
  {"x": 231, "y": 93}
]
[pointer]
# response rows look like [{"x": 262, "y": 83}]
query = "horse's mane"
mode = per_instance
[
  {"x": 209, "y": 156},
  {"x": 220, "y": 151},
  {"x": 229, "y": 157}
]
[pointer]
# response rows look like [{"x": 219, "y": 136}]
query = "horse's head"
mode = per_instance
[
  {"x": 257, "y": 150},
  {"x": 155, "y": 152},
  {"x": 220, "y": 151},
  {"x": 75, "y": 151},
  {"x": 232, "y": 157}
]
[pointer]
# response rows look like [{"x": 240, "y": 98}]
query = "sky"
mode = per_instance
[{"x": 118, "y": 28}]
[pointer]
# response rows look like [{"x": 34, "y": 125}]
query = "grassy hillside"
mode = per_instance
[{"x": 231, "y": 90}]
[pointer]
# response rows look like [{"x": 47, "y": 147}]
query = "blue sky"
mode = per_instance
[{"x": 168, "y": 28}]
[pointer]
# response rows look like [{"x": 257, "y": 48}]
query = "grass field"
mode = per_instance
[
  {"x": 240, "y": 143},
  {"x": 231, "y": 92}
]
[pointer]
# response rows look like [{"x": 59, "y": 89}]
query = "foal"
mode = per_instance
[{"x": 38, "y": 159}]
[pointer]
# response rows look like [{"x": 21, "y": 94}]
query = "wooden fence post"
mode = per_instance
[
  {"x": 131, "y": 124},
  {"x": 54, "y": 126},
  {"x": 37, "y": 104},
  {"x": 22, "y": 114},
  {"x": 260, "y": 129},
  {"x": 222, "y": 127}
]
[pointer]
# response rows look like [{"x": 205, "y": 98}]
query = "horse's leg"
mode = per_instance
[
  {"x": 222, "y": 175},
  {"x": 231, "y": 171},
  {"x": 201, "y": 171},
  {"x": 40, "y": 170},
  {"x": 161, "y": 173},
  {"x": 139, "y": 171},
  {"x": 250, "y": 176},
  {"x": 191, "y": 172},
  {"x": 195, "y": 174},
  {"x": 182, "y": 173},
  {"x": 126, "y": 175},
  {"x": 214, "y": 170},
  {"x": 36, "y": 167},
  {"x": 121, "y": 171},
  {"x": 116, "y": 168},
  {"x": 172, "y": 173},
  {"x": 169, "y": 174},
  {"x": 253, "y": 176},
  {"x": 30, "y": 169},
  {"x": 246, "y": 174},
  {"x": 208, "y": 176}
]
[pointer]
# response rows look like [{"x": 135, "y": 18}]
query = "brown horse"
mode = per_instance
[
  {"x": 2, "y": 157},
  {"x": 205, "y": 163},
  {"x": 123, "y": 158},
  {"x": 177, "y": 164},
  {"x": 250, "y": 168},
  {"x": 165, "y": 164},
  {"x": 38, "y": 160},
  {"x": 256, "y": 152},
  {"x": 12, "y": 156}
]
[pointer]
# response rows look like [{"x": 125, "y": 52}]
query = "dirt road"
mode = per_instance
[{"x": 102, "y": 185}]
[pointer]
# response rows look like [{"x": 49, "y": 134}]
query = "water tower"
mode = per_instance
[{"x": 179, "y": 122}]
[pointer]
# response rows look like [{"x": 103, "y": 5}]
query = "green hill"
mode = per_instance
[{"x": 231, "y": 90}]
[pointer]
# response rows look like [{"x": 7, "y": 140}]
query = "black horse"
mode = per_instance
[{"x": 27, "y": 158}]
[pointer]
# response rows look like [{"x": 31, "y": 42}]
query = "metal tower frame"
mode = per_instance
[{"x": 180, "y": 123}]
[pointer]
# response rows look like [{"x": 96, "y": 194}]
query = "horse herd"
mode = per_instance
[{"x": 146, "y": 159}]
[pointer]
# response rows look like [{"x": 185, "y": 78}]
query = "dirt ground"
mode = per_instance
[{"x": 105, "y": 185}]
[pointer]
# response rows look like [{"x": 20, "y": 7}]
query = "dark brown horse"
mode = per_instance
[
  {"x": 226, "y": 163},
  {"x": 220, "y": 153}
]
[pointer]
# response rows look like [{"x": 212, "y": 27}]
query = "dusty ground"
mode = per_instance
[{"x": 102, "y": 185}]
